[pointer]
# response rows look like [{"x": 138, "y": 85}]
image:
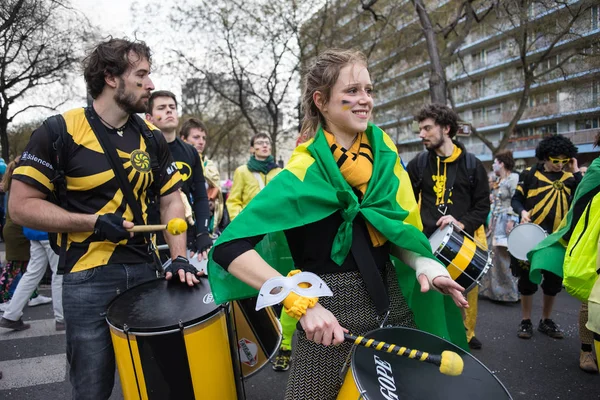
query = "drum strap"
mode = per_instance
[
  {"x": 368, "y": 269},
  {"x": 121, "y": 176}
]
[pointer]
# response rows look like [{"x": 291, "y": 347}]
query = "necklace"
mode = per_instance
[{"x": 119, "y": 130}]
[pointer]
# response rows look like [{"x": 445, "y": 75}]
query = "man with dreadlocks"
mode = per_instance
[{"x": 542, "y": 197}]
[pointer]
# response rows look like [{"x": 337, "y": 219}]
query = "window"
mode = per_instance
[
  {"x": 493, "y": 113},
  {"x": 478, "y": 88},
  {"x": 547, "y": 129},
  {"x": 595, "y": 17},
  {"x": 596, "y": 94},
  {"x": 582, "y": 124},
  {"x": 478, "y": 115}
]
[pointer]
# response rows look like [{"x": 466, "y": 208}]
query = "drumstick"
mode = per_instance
[
  {"x": 174, "y": 227},
  {"x": 449, "y": 362}
]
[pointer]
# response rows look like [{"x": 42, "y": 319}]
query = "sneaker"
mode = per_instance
[
  {"x": 282, "y": 360},
  {"x": 14, "y": 325},
  {"x": 60, "y": 326},
  {"x": 475, "y": 344},
  {"x": 4, "y": 306},
  {"x": 39, "y": 300},
  {"x": 525, "y": 329},
  {"x": 548, "y": 327},
  {"x": 587, "y": 362}
]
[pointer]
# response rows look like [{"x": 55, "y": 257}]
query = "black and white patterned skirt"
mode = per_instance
[{"x": 316, "y": 370}]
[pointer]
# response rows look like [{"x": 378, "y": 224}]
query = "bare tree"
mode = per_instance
[
  {"x": 253, "y": 58},
  {"x": 38, "y": 48},
  {"x": 537, "y": 29},
  {"x": 444, "y": 37}
]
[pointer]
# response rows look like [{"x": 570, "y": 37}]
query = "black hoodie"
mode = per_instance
[{"x": 470, "y": 202}]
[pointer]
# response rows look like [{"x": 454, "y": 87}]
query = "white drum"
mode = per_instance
[{"x": 523, "y": 238}]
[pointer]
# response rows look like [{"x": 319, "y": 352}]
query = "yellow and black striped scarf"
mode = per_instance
[{"x": 356, "y": 166}]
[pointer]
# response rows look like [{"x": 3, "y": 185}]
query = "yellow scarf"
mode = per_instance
[
  {"x": 356, "y": 166},
  {"x": 439, "y": 180}
]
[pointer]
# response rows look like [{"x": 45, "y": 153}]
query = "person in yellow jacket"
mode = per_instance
[
  {"x": 251, "y": 178},
  {"x": 248, "y": 180}
]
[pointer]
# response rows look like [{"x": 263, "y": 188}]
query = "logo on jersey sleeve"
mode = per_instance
[
  {"x": 140, "y": 160},
  {"x": 184, "y": 169}
]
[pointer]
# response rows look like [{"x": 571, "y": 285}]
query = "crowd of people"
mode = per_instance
[{"x": 351, "y": 214}]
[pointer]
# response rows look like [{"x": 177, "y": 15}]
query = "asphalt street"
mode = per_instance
[{"x": 34, "y": 363}]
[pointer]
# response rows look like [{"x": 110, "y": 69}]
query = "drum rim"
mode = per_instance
[
  {"x": 486, "y": 268},
  {"x": 445, "y": 239},
  {"x": 166, "y": 329},
  {"x": 508, "y": 241},
  {"x": 363, "y": 391}
]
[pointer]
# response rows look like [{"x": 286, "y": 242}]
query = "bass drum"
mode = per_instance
[
  {"x": 378, "y": 375},
  {"x": 171, "y": 341}
]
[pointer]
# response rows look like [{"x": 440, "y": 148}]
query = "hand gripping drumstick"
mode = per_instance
[
  {"x": 174, "y": 227},
  {"x": 450, "y": 363}
]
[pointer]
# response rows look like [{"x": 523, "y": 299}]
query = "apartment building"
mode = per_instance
[{"x": 485, "y": 76}]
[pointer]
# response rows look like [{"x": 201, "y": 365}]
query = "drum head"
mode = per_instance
[
  {"x": 523, "y": 238},
  {"x": 440, "y": 237},
  {"x": 161, "y": 305},
  {"x": 381, "y": 375}
]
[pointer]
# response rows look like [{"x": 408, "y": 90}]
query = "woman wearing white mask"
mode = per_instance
[{"x": 499, "y": 284}]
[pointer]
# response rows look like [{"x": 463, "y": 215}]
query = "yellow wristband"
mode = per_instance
[{"x": 295, "y": 305}]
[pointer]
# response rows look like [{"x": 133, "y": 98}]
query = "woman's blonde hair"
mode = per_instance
[
  {"x": 7, "y": 178},
  {"x": 320, "y": 77}
]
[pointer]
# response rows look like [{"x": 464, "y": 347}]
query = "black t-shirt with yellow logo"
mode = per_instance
[
  {"x": 92, "y": 187},
  {"x": 190, "y": 168}
]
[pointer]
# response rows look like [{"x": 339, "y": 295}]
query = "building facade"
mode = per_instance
[{"x": 485, "y": 75}]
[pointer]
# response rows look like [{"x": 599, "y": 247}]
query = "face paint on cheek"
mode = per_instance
[
  {"x": 159, "y": 118},
  {"x": 346, "y": 105},
  {"x": 138, "y": 84}
]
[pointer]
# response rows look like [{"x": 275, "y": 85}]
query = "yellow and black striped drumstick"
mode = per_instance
[{"x": 449, "y": 362}]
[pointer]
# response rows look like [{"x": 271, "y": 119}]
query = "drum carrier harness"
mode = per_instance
[{"x": 57, "y": 133}]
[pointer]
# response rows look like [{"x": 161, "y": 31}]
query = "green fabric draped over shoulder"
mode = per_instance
[
  {"x": 551, "y": 253},
  {"x": 312, "y": 188}
]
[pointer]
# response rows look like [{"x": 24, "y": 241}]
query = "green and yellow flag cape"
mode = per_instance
[
  {"x": 574, "y": 261},
  {"x": 312, "y": 188}
]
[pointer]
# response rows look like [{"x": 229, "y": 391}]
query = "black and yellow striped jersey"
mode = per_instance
[
  {"x": 546, "y": 195},
  {"x": 92, "y": 187}
]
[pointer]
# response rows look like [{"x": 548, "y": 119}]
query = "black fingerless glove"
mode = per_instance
[
  {"x": 181, "y": 263},
  {"x": 110, "y": 227},
  {"x": 202, "y": 242}
]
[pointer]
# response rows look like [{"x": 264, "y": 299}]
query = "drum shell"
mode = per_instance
[
  {"x": 258, "y": 335},
  {"x": 412, "y": 379},
  {"x": 168, "y": 362},
  {"x": 464, "y": 259}
]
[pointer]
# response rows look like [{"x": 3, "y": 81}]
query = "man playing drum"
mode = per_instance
[
  {"x": 102, "y": 258},
  {"x": 448, "y": 188},
  {"x": 542, "y": 197}
]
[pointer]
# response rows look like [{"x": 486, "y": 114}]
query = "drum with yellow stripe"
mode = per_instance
[
  {"x": 383, "y": 375},
  {"x": 172, "y": 341},
  {"x": 466, "y": 260}
]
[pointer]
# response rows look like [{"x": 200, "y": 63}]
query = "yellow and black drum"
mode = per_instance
[
  {"x": 380, "y": 375},
  {"x": 257, "y": 333},
  {"x": 465, "y": 259},
  {"x": 172, "y": 342}
]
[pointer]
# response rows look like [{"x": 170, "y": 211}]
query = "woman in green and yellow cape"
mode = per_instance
[{"x": 344, "y": 189}]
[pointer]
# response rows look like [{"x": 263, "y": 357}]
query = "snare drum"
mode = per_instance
[
  {"x": 523, "y": 238},
  {"x": 465, "y": 259},
  {"x": 376, "y": 375},
  {"x": 172, "y": 341}
]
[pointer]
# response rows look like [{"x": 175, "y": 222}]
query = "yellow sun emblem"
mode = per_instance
[{"x": 140, "y": 160}]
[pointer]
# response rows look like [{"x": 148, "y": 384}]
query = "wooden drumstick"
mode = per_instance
[
  {"x": 450, "y": 363},
  {"x": 174, "y": 227}
]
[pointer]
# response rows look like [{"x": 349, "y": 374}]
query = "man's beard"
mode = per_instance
[
  {"x": 435, "y": 145},
  {"x": 127, "y": 101}
]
